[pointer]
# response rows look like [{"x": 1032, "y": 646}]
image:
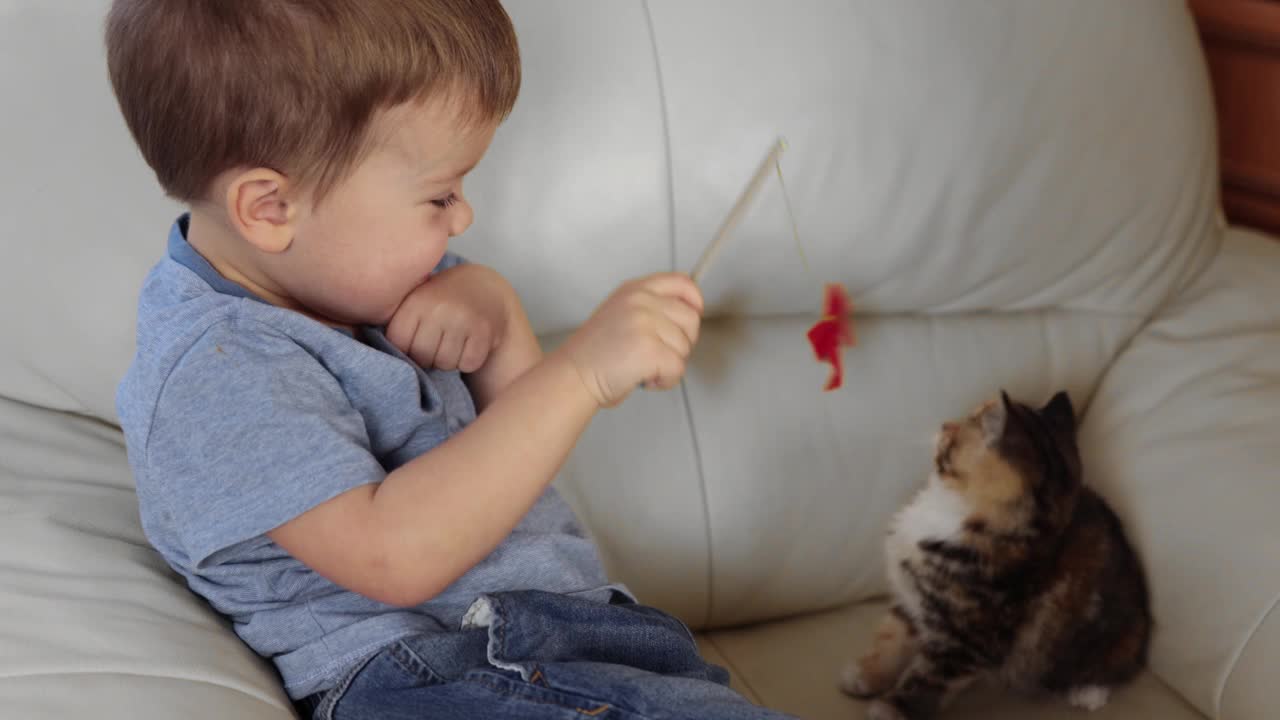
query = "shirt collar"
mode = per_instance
[{"x": 181, "y": 252}]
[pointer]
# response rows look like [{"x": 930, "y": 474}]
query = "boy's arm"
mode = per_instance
[
  {"x": 406, "y": 539},
  {"x": 515, "y": 354}
]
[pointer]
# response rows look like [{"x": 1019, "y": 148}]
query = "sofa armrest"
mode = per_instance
[{"x": 1183, "y": 437}]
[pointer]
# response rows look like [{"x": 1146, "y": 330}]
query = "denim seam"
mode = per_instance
[
  {"x": 325, "y": 709},
  {"x": 513, "y": 693},
  {"x": 412, "y": 663},
  {"x": 498, "y": 643}
]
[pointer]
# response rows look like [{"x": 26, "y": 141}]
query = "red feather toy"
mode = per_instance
[{"x": 835, "y": 330}]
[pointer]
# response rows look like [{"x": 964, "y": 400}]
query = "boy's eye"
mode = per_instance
[{"x": 446, "y": 201}]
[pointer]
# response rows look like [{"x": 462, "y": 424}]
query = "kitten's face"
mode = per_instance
[{"x": 1012, "y": 462}]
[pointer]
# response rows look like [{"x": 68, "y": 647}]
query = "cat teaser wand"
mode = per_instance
[{"x": 834, "y": 330}]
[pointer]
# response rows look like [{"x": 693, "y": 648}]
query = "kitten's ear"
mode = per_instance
[
  {"x": 994, "y": 419},
  {"x": 1059, "y": 413}
]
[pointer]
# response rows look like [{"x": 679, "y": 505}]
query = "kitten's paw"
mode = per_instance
[
  {"x": 854, "y": 682},
  {"x": 881, "y": 710},
  {"x": 1089, "y": 697}
]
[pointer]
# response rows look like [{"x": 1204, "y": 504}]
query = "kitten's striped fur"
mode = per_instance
[{"x": 1006, "y": 565}]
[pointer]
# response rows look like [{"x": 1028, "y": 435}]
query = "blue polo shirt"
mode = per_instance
[{"x": 239, "y": 416}]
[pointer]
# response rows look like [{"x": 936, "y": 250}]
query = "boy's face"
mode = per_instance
[{"x": 379, "y": 232}]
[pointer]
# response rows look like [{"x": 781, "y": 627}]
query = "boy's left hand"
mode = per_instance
[{"x": 455, "y": 319}]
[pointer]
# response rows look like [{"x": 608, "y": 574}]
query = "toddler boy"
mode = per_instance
[{"x": 344, "y": 436}]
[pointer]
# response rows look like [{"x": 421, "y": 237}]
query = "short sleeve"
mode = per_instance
[{"x": 250, "y": 431}]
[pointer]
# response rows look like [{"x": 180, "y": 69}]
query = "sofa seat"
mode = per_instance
[{"x": 793, "y": 664}]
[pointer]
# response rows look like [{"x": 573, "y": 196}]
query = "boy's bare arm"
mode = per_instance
[
  {"x": 515, "y": 354},
  {"x": 406, "y": 539}
]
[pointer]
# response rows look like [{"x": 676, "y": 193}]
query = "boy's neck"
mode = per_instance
[{"x": 229, "y": 255}]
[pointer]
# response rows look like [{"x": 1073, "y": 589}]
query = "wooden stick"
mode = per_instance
[{"x": 739, "y": 209}]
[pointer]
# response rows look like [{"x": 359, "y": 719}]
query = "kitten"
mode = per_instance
[{"x": 1006, "y": 566}]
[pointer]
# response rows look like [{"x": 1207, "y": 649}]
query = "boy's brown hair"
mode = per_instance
[{"x": 207, "y": 86}]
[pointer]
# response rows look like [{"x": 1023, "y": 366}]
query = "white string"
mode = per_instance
[{"x": 791, "y": 217}]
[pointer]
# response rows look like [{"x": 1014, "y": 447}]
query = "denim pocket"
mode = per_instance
[
  {"x": 414, "y": 662},
  {"x": 324, "y": 708},
  {"x": 394, "y": 669}
]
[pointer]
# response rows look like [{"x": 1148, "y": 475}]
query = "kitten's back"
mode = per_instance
[{"x": 1091, "y": 622}]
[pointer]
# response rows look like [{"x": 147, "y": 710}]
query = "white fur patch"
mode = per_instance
[
  {"x": 881, "y": 710},
  {"x": 936, "y": 513},
  {"x": 1089, "y": 697},
  {"x": 852, "y": 682}
]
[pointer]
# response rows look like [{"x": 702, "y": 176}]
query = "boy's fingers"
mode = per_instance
[
  {"x": 449, "y": 353},
  {"x": 684, "y": 317},
  {"x": 400, "y": 331},
  {"x": 670, "y": 370},
  {"x": 668, "y": 356},
  {"x": 426, "y": 347},
  {"x": 473, "y": 355},
  {"x": 677, "y": 285},
  {"x": 674, "y": 337}
]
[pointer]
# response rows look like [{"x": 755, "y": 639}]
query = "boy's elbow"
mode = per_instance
[
  {"x": 383, "y": 558},
  {"x": 399, "y": 598},
  {"x": 403, "y": 595},
  {"x": 401, "y": 585}
]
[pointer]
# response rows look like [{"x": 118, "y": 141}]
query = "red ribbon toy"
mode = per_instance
[{"x": 833, "y": 332}]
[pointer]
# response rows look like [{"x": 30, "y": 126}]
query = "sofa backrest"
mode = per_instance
[
  {"x": 999, "y": 155},
  {"x": 1008, "y": 189}
]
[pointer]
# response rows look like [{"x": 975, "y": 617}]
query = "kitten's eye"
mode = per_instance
[{"x": 445, "y": 202}]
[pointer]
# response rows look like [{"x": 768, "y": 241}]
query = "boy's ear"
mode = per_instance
[{"x": 260, "y": 208}]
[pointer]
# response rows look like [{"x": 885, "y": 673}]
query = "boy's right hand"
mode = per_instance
[{"x": 643, "y": 333}]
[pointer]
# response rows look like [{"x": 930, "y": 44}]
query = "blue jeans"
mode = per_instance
[{"x": 543, "y": 656}]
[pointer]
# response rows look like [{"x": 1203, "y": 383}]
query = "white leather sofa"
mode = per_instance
[{"x": 1018, "y": 194}]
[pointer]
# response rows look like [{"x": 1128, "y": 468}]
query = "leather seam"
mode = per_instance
[
  {"x": 734, "y": 670},
  {"x": 1239, "y": 651},
  {"x": 671, "y": 227},
  {"x": 665, "y": 116}
]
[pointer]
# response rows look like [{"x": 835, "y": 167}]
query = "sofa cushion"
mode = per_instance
[{"x": 88, "y": 605}]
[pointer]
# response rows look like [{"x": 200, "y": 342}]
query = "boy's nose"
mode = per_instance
[{"x": 461, "y": 218}]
